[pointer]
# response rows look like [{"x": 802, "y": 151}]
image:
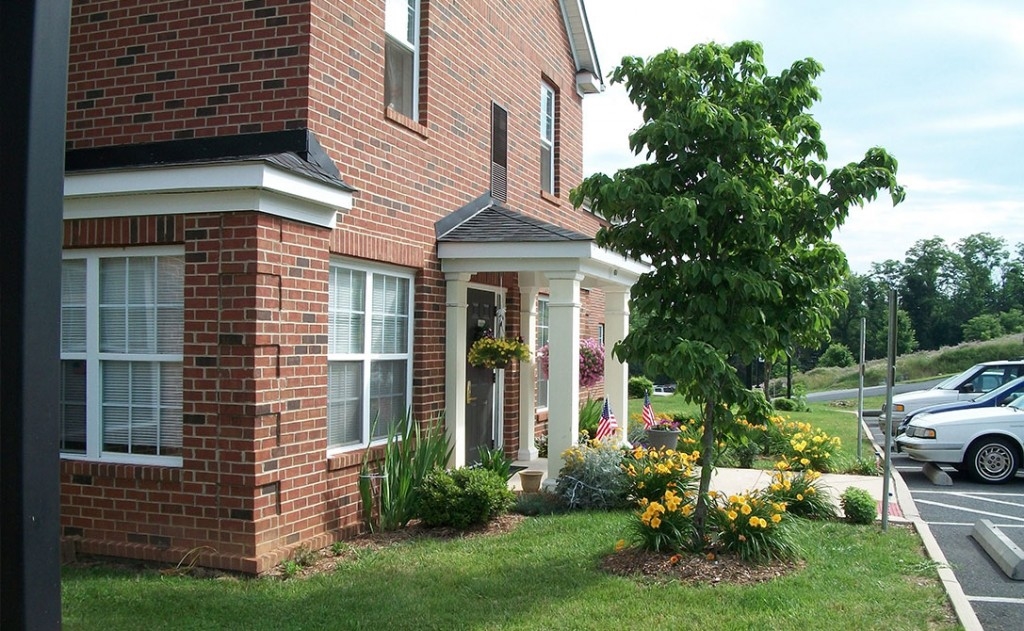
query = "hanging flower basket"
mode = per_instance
[{"x": 497, "y": 352}]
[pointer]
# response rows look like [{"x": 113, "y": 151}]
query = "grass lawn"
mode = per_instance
[{"x": 541, "y": 576}]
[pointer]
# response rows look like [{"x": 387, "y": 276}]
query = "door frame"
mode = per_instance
[{"x": 498, "y": 413}]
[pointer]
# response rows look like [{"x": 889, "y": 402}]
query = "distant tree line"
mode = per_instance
[{"x": 973, "y": 290}]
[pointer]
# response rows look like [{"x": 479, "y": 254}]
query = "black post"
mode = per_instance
[
  {"x": 789, "y": 376},
  {"x": 33, "y": 77}
]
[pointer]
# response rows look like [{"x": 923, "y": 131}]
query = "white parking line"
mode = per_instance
[
  {"x": 969, "y": 524},
  {"x": 996, "y": 599},
  {"x": 971, "y": 493},
  {"x": 971, "y": 510},
  {"x": 987, "y": 499}
]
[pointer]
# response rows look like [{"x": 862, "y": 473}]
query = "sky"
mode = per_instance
[{"x": 937, "y": 83}]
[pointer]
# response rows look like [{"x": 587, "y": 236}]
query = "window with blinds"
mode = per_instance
[
  {"x": 401, "y": 55},
  {"x": 122, "y": 327},
  {"x": 547, "y": 138},
  {"x": 369, "y": 353}
]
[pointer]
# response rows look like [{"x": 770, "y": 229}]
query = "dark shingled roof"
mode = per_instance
[
  {"x": 486, "y": 220},
  {"x": 297, "y": 151}
]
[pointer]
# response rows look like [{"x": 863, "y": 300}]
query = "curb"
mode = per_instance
[
  {"x": 954, "y": 591},
  {"x": 1007, "y": 555}
]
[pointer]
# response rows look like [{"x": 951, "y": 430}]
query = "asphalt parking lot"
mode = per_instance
[{"x": 951, "y": 512}]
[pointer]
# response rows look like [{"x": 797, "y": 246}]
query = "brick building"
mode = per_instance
[{"x": 284, "y": 219}]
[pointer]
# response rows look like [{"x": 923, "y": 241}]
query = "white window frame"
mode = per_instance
[
  {"x": 547, "y": 136},
  {"x": 399, "y": 16},
  {"x": 543, "y": 337},
  {"x": 367, "y": 357},
  {"x": 94, "y": 358}
]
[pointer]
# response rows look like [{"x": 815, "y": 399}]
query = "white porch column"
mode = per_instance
[
  {"x": 563, "y": 366},
  {"x": 528, "y": 370},
  {"x": 456, "y": 303},
  {"x": 616, "y": 374}
]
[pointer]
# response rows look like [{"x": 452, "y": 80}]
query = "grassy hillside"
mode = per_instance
[{"x": 915, "y": 366}]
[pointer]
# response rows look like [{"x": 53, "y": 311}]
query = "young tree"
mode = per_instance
[{"x": 735, "y": 210}]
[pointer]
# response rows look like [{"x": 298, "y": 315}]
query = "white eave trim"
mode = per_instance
[
  {"x": 602, "y": 268},
  {"x": 581, "y": 43},
  {"x": 188, "y": 189}
]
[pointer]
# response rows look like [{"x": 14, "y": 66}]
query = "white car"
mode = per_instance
[
  {"x": 974, "y": 381},
  {"x": 986, "y": 443}
]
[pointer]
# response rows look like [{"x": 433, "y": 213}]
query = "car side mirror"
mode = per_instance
[{"x": 967, "y": 388}]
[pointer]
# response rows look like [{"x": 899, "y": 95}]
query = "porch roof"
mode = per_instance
[{"x": 487, "y": 236}]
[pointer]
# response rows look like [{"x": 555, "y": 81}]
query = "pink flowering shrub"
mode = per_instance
[{"x": 591, "y": 362}]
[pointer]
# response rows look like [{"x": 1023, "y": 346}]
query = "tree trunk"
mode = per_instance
[{"x": 707, "y": 449}]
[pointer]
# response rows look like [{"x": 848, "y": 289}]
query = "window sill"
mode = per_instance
[
  {"x": 550, "y": 198},
  {"x": 397, "y": 117},
  {"x": 119, "y": 470}
]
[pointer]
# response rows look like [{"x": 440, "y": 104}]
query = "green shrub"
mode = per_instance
[
  {"x": 858, "y": 506},
  {"x": 783, "y": 404},
  {"x": 836, "y": 355},
  {"x": 639, "y": 386},
  {"x": 542, "y": 503},
  {"x": 542, "y": 445},
  {"x": 463, "y": 497},
  {"x": 664, "y": 524},
  {"x": 389, "y": 488},
  {"x": 801, "y": 494},
  {"x": 863, "y": 466},
  {"x": 592, "y": 477},
  {"x": 494, "y": 459}
]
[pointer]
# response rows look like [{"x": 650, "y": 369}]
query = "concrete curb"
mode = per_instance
[
  {"x": 936, "y": 475},
  {"x": 954, "y": 591},
  {"x": 1007, "y": 555}
]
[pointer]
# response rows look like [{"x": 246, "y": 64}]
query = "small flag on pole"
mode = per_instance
[
  {"x": 647, "y": 416},
  {"x": 608, "y": 425}
]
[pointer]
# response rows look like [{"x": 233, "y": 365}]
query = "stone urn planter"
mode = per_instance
[
  {"x": 530, "y": 480},
  {"x": 662, "y": 438}
]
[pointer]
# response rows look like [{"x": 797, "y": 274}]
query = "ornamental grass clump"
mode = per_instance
[
  {"x": 753, "y": 526},
  {"x": 592, "y": 476},
  {"x": 800, "y": 492}
]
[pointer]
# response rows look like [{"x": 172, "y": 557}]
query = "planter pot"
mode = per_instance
[
  {"x": 530, "y": 479},
  {"x": 662, "y": 438}
]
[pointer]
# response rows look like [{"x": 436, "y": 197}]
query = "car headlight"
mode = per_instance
[
  {"x": 897, "y": 407},
  {"x": 920, "y": 432}
]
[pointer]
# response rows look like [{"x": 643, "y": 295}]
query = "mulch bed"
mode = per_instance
[{"x": 695, "y": 569}]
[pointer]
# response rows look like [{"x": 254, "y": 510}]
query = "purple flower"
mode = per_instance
[{"x": 591, "y": 362}]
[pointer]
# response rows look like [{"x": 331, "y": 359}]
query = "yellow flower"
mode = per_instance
[
  {"x": 655, "y": 522},
  {"x": 754, "y": 521},
  {"x": 805, "y": 461},
  {"x": 734, "y": 499},
  {"x": 732, "y": 515},
  {"x": 799, "y": 497},
  {"x": 745, "y": 509},
  {"x": 674, "y": 559},
  {"x": 619, "y": 545},
  {"x": 776, "y": 518},
  {"x": 811, "y": 490},
  {"x": 762, "y": 522}
]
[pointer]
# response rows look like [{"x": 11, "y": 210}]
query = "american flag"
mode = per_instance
[
  {"x": 608, "y": 425},
  {"x": 647, "y": 416}
]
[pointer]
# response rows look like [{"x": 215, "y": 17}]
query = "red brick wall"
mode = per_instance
[
  {"x": 153, "y": 70},
  {"x": 256, "y": 478}
]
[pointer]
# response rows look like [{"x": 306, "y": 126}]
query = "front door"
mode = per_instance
[{"x": 480, "y": 381}]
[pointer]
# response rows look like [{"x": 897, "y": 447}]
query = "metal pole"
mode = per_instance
[
  {"x": 890, "y": 378},
  {"x": 860, "y": 388},
  {"x": 34, "y": 49}
]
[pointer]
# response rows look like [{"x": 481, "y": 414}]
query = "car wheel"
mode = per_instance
[{"x": 992, "y": 460}]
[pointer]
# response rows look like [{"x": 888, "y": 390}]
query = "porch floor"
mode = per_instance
[{"x": 538, "y": 464}]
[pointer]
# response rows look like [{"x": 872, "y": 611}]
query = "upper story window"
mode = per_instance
[
  {"x": 401, "y": 56},
  {"x": 369, "y": 353},
  {"x": 547, "y": 138},
  {"x": 122, "y": 327}
]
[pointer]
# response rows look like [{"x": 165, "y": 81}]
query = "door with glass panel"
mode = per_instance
[{"x": 480, "y": 381}]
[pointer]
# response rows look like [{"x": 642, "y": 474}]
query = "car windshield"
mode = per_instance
[{"x": 956, "y": 380}]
